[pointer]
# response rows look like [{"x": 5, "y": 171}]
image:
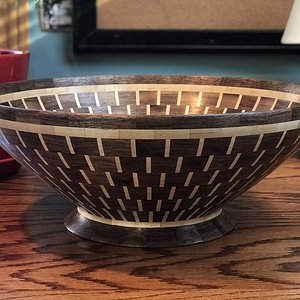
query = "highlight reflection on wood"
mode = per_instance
[
  {"x": 259, "y": 260},
  {"x": 150, "y": 157}
]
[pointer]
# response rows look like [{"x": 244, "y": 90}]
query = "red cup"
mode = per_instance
[{"x": 13, "y": 67}]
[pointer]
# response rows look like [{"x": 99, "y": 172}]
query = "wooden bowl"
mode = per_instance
[{"x": 150, "y": 160}]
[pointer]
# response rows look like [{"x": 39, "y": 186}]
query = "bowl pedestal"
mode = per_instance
[{"x": 87, "y": 226}]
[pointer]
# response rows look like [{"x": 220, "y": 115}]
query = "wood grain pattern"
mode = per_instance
[{"x": 40, "y": 259}]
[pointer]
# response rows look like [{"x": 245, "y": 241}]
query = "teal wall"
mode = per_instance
[{"x": 51, "y": 56}]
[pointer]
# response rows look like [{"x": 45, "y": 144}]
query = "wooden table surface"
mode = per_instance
[{"x": 260, "y": 259}]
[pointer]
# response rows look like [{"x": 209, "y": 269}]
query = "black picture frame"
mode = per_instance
[{"x": 87, "y": 38}]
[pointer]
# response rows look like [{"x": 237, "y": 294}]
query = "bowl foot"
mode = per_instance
[{"x": 89, "y": 229}]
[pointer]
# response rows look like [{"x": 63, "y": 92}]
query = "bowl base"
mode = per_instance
[{"x": 89, "y": 229}]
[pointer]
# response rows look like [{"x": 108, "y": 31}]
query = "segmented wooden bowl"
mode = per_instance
[{"x": 150, "y": 160}]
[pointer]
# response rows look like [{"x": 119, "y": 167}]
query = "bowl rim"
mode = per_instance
[{"x": 124, "y": 121}]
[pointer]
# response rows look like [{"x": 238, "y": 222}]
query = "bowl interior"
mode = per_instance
[{"x": 151, "y": 99}]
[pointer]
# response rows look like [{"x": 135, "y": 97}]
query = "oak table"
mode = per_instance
[{"x": 260, "y": 259}]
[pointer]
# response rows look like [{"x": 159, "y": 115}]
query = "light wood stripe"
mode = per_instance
[
  {"x": 149, "y": 193},
  {"x": 70, "y": 146},
  {"x": 195, "y": 203},
  {"x": 121, "y": 203},
  {"x": 68, "y": 186},
  {"x": 63, "y": 173},
  {"x": 84, "y": 188},
  {"x": 90, "y": 110},
  {"x": 289, "y": 106},
  {"x": 297, "y": 139},
  {"x": 107, "y": 212},
  {"x": 135, "y": 179},
  {"x": 192, "y": 214},
  {"x": 167, "y": 147},
  {"x": 86, "y": 178},
  {"x": 219, "y": 100},
  {"x": 140, "y": 205},
  {"x": 149, "y": 224},
  {"x": 194, "y": 191},
  {"x": 41, "y": 157},
  {"x": 41, "y": 103},
  {"x": 258, "y": 158},
  {"x": 24, "y": 103},
  {"x": 117, "y": 98},
  {"x": 96, "y": 99},
  {"x": 211, "y": 201},
  {"x": 162, "y": 87},
  {"x": 104, "y": 202},
  {"x": 126, "y": 192},
  {"x": 148, "y": 165},
  {"x": 42, "y": 167},
  {"x": 30, "y": 167},
  {"x": 188, "y": 178},
  {"x": 43, "y": 142},
  {"x": 133, "y": 148},
  {"x": 238, "y": 102},
  {"x": 109, "y": 179},
  {"x": 58, "y": 101},
  {"x": 158, "y": 98},
  {"x": 258, "y": 142},
  {"x": 224, "y": 110},
  {"x": 63, "y": 160},
  {"x": 178, "y": 164},
  {"x": 128, "y": 108},
  {"x": 150, "y": 217},
  {"x": 72, "y": 110},
  {"x": 235, "y": 174},
  {"x": 148, "y": 110},
  {"x": 136, "y": 216},
  {"x": 172, "y": 192},
  {"x": 231, "y": 145},
  {"x": 178, "y": 202},
  {"x": 151, "y": 133},
  {"x": 100, "y": 147},
  {"x": 179, "y": 215},
  {"x": 104, "y": 190},
  {"x": 59, "y": 188},
  {"x": 162, "y": 179},
  {"x": 25, "y": 156},
  {"x": 281, "y": 139},
  {"x": 137, "y": 98},
  {"x": 168, "y": 108},
  {"x": 200, "y": 147},
  {"x": 199, "y": 99},
  {"x": 237, "y": 157},
  {"x": 213, "y": 177},
  {"x": 118, "y": 164},
  {"x": 179, "y": 98},
  {"x": 274, "y": 104},
  {"x": 187, "y": 110},
  {"x": 20, "y": 139},
  {"x": 256, "y": 103},
  {"x": 208, "y": 163},
  {"x": 214, "y": 189},
  {"x": 77, "y": 100},
  {"x": 89, "y": 162},
  {"x": 206, "y": 109},
  {"x": 249, "y": 177},
  {"x": 158, "y": 205},
  {"x": 165, "y": 217},
  {"x": 109, "y": 110},
  {"x": 277, "y": 154},
  {"x": 88, "y": 200},
  {"x": 233, "y": 186}
]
